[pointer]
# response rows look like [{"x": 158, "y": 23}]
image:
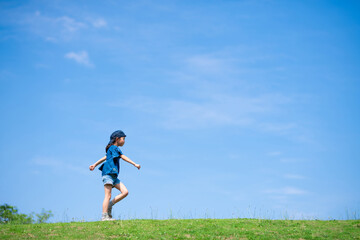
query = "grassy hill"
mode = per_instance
[{"x": 187, "y": 229}]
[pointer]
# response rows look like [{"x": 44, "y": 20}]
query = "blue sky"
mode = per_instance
[{"x": 233, "y": 108}]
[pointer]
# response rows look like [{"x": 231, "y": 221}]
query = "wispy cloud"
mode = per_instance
[
  {"x": 155, "y": 173},
  {"x": 204, "y": 63},
  {"x": 216, "y": 110},
  {"x": 99, "y": 23},
  {"x": 54, "y": 28},
  {"x": 80, "y": 57},
  {"x": 291, "y": 160},
  {"x": 286, "y": 191},
  {"x": 214, "y": 92},
  {"x": 294, "y": 176},
  {"x": 274, "y": 153},
  {"x": 70, "y": 24},
  {"x": 278, "y": 127},
  {"x": 58, "y": 165}
]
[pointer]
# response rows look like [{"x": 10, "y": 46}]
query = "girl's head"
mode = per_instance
[
  {"x": 117, "y": 138},
  {"x": 119, "y": 141}
]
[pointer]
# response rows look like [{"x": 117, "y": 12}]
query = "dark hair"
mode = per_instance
[
  {"x": 110, "y": 143},
  {"x": 114, "y": 135},
  {"x": 107, "y": 147}
]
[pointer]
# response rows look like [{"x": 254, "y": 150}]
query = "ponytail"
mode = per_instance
[
  {"x": 113, "y": 137},
  {"x": 107, "y": 147}
]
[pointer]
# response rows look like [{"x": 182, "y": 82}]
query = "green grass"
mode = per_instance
[{"x": 187, "y": 229}]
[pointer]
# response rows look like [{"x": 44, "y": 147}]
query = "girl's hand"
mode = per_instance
[
  {"x": 138, "y": 166},
  {"x": 92, "y": 167}
]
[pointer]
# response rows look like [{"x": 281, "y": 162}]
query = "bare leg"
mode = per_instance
[
  {"x": 107, "y": 198},
  {"x": 124, "y": 192}
]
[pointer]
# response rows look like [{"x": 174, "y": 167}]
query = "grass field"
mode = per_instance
[{"x": 187, "y": 229}]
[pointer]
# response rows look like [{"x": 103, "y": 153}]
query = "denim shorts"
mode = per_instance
[{"x": 110, "y": 179}]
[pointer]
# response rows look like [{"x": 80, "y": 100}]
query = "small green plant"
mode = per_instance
[
  {"x": 9, "y": 214},
  {"x": 44, "y": 216}
]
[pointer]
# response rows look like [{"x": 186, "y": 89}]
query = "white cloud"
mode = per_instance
[
  {"x": 41, "y": 65},
  {"x": 52, "y": 28},
  {"x": 206, "y": 63},
  {"x": 57, "y": 28},
  {"x": 291, "y": 160},
  {"x": 293, "y": 176},
  {"x": 80, "y": 57},
  {"x": 99, "y": 23},
  {"x": 155, "y": 173},
  {"x": 275, "y": 153},
  {"x": 51, "y": 39},
  {"x": 58, "y": 165},
  {"x": 70, "y": 24},
  {"x": 216, "y": 93},
  {"x": 215, "y": 110},
  {"x": 286, "y": 191},
  {"x": 278, "y": 127},
  {"x": 47, "y": 162}
]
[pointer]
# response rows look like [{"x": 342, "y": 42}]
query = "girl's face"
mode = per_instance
[{"x": 120, "y": 141}]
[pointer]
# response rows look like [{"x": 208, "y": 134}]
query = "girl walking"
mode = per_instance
[{"x": 110, "y": 171}]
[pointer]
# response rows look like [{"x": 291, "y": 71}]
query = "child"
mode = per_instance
[{"x": 110, "y": 171}]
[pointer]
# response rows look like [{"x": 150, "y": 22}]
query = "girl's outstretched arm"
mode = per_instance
[
  {"x": 125, "y": 158},
  {"x": 92, "y": 167}
]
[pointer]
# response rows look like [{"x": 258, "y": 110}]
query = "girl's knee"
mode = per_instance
[
  {"x": 125, "y": 193},
  {"x": 108, "y": 195}
]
